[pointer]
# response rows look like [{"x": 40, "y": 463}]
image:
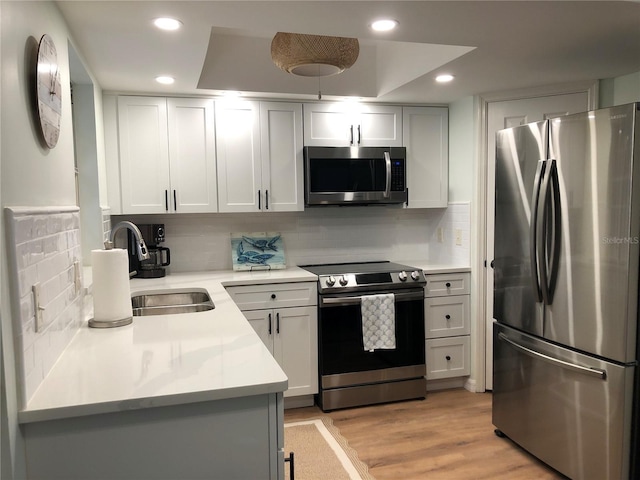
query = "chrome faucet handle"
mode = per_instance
[{"x": 141, "y": 246}]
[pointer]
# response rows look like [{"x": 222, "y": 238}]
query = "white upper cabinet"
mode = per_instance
[
  {"x": 167, "y": 156},
  {"x": 144, "y": 154},
  {"x": 344, "y": 124},
  {"x": 282, "y": 161},
  {"x": 192, "y": 156},
  {"x": 238, "y": 153},
  {"x": 259, "y": 152},
  {"x": 426, "y": 136}
]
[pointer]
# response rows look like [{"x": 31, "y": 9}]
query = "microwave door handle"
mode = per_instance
[{"x": 387, "y": 160}]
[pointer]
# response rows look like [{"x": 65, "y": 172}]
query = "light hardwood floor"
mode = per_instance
[{"x": 447, "y": 436}]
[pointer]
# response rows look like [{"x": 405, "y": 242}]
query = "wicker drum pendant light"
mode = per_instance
[{"x": 313, "y": 55}]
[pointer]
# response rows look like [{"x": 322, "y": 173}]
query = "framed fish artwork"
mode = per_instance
[{"x": 257, "y": 251}]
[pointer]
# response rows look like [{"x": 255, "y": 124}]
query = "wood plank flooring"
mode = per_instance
[{"x": 447, "y": 436}]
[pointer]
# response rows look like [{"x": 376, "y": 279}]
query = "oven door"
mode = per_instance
[{"x": 343, "y": 361}]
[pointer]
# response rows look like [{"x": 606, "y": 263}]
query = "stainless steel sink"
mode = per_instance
[{"x": 171, "y": 302}]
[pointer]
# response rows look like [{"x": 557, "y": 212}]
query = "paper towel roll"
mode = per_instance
[{"x": 111, "y": 291}]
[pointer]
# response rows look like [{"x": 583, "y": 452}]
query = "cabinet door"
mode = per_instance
[
  {"x": 262, "y": 322},
  {"x": 448, "y": 357},
  {"x": 238, "y": 155},
  {"x": 328, "y": 125},
  {"x": 281, "y": 155},
  {"x": 426, "y": 136},
  {"x": 295, "y": 347},
  {"x": 192, "y": 156},
  {"x": 379, "y": 126},
  {"x": 340, "y": 125},
  {"x": 144, "y": 154},
  {"x": 446, "y": 316}
]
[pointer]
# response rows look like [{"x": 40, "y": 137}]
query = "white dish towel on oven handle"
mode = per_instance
[{"x": 378, "y": 321}]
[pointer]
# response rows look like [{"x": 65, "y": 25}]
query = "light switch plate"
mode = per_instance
[
  {"x": 458, "y": 236},
  {"x": 440, "y": 234}
]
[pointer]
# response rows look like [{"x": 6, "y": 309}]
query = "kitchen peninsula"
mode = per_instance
[{"x": 169, "y": 396}]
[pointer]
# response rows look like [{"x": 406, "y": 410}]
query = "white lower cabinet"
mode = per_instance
[
  {"x": 447, "y": 357},
  {"x": 291, "y": 335},
  {"x": 447, "y": 326},
  {"x": 230, "y": 438},
  {"x": 285, "y": 317}
]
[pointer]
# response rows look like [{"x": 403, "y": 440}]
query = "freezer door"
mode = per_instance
[
  {"x": 520, "y": 162},
  {"x": 570, "y": 410},
  {"x": 594, "y": 306}
]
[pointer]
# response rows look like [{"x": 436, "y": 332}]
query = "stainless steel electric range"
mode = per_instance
[{"x": 349, "y": 374}]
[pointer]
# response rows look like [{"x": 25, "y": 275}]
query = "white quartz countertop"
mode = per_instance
[
  {"x": 165, "y": 359},
  {"x": 170, "y": 359}
]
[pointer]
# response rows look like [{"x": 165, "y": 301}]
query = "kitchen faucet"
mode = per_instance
[{"x": 141, "y": 247}]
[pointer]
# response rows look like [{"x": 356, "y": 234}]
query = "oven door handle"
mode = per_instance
[{"x": 341, "y": 301}]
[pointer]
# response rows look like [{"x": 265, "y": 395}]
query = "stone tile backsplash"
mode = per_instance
[
  {"x": 320, "y": 235},
  {"x": 43, "y": 246}
]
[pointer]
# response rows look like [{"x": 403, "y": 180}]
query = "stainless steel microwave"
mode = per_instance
[{"x": 355, "y": 175}]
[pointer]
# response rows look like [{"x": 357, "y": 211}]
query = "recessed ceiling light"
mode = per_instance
[
  {"x": 384, "y": 25},
  {"x": 165, "y": 80},
  {"x": 166, "y": 23},
  {"x": 444, "y": 78}
]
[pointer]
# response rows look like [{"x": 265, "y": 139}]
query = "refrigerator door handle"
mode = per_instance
[
  {"x": 542, "y": 234},
  {"x": 548, "y": 234},
  {"x": 533, "y": 230},
  {"x": 557, "y": 231},
  {"x": 594, "y": 372}
]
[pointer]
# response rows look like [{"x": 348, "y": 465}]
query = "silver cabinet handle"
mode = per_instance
[{"x": 594, "y": 372}]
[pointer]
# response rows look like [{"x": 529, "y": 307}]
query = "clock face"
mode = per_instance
[{"x": 49, "y": 91}]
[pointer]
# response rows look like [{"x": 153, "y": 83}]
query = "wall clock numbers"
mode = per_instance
[{"x": 49, "y": 91}]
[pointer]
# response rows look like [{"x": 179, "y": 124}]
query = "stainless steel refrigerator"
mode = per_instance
[{"x": 566, "y": 264}]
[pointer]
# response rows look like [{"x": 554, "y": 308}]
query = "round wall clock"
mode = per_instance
[{"x": 49, "y": 91}]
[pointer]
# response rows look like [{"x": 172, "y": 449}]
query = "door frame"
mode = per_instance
[{"x": 479, "y": 262}]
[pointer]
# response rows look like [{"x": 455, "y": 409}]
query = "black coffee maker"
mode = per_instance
[{"x": 159, "y": 257}]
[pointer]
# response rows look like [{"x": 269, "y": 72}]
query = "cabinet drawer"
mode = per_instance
[
  {"x": 274, "y": 295},
  {"x": 448, "y": 357},
  {"x": 446, "y": 316},
  {"x": 447, "y": 284}
]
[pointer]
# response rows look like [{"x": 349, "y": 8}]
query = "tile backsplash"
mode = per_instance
[
  {"x": 44, "y": 248},
  {"x": 320, "y": 235}
]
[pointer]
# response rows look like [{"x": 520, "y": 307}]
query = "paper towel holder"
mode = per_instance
[{"x": 143, "y": 254}]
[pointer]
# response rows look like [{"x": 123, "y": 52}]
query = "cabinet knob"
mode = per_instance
[
  {"x": 448, "y": 317},
  {"x": 448, "y": 357},
  {"x": 448, "y": 285},
  {"x": 273, "y": 296}
]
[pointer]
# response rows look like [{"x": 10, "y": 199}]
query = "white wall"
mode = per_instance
[
  {"x": 462, "y": 146},
  {"x": 619, "y": 90},
  {"x": 30, "y": 175},
  {"x": 201, "y": 242}
]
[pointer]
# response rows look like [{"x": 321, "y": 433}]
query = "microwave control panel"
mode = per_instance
[{"x": 397, "y": 176}]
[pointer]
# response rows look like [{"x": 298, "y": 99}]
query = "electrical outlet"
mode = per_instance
[
  {"x": 458, "y": 236},
  {"x": 37, "y": 307},
  {"x": 440, "y": 234}
]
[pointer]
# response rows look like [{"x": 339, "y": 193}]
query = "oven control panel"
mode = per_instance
[{"x": 365, "y": 281}]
